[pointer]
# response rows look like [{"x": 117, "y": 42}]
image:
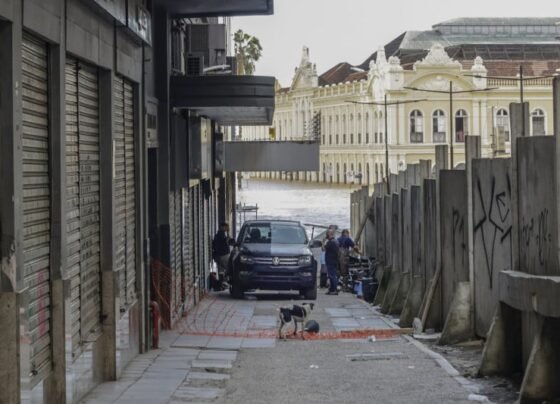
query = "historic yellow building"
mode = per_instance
[{"x": 477, "y": 59}]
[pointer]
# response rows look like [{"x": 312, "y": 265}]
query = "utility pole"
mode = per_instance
[
  {"x": 522, "y": 79},
  {"x": 451, "y": 93}
]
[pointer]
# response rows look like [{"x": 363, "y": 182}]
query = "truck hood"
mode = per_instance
[{"x": 276, "y": 250}]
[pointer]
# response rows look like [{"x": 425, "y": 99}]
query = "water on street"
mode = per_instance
[{"x": 307, "y": 202}]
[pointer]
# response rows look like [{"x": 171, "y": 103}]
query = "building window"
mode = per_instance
[
  {"x": 324, "y": 139},
  {"x": 461, "y": 125},
  {"x": 367, "y": 138},
  {"x": 438, "y": 126},
  {"x": 375, "y": 138},
  {"x": 502, "y": 123},
  {"x": 359, "y": 138},
  {"x": 337, "y": 139},
  {"x": 330, "y": 139},
  {"x": 344, "y": 139},
  {"x": 416, "y": 127},
  {"x": 351, "y": 138},
  {"x": 537, "y": 122},
  {"x": 380, "y": 137}
]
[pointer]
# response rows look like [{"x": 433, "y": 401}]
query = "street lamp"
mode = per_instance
[
  {"x": 385, "y": 104},
  {"x": 521, "y": 79},
  {"x": 451, "y": 115}
]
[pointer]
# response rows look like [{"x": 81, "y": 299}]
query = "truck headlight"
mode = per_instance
[
  {"x": 304, "y": 260},
  {"x": 245, "y": 259}
]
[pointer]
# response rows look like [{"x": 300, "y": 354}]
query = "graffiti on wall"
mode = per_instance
[{"x": 493, "y": 222}]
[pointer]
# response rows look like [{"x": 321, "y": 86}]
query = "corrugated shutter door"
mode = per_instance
[
  {"x": 89, "y": 188},
  {"x": 178, "y": 246},
  {"x": 130, "y": 170},
  {"x": 36, "y": 200},
  {"x": 73, "y": 199},
  {"x": 170, "y": 281},
  {"x": 120, "y": 187},
  {"x": 125, "y": 189}
]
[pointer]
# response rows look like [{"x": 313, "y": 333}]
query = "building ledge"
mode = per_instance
[
  {"x": 229, "y": 100},
  {"x": 218, "y": 8}
]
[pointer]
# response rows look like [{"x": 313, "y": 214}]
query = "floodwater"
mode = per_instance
[{"x": 307, "y": 202}]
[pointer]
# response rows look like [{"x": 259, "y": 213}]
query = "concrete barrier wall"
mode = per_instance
[
  {"x": 538, "y": 226},
  {"x": 453, "y": 205},
  {"x": 492, "y": 224}
]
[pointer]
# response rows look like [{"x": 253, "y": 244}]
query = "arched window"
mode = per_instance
[
  {"x": 351, "y": 138},
  {"x": 368, "y": 176},
  {"x": 344, "y": 172},
  {"x": 375, "y": 138},
  {"x": 461, "y": 125},
  {"x": 344, "y": 139},
  {"x": 330, "y": 139},
  {"x": 359, "y": 138},
  {"x": 376, "y": 173},
  {"x": 438, "y": 126},
  {"x": 416, "y": 127},
  {"x": 337, "y": 139},
  {"x": 537, "y": 122},
  {"x": 502, "y": 123}
]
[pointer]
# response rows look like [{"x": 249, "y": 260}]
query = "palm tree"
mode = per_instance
[{"x": 248, "y": 50}]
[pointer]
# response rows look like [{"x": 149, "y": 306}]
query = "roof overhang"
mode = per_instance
[
  {"x": 218, "y": 8},
  {"x": 229, "y": 100}
]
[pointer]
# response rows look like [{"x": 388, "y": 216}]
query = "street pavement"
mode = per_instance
[{"x": 226, "y": 351}]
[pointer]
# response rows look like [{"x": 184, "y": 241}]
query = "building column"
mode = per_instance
[{"x": 11, "y": 269}]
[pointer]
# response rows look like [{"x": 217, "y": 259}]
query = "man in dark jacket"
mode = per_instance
[
  {"x": 331, "y": 259},
  {"x": 220, "y": 250}
]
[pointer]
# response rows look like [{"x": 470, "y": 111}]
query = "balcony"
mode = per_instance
[{"x": 228, "y": 100}]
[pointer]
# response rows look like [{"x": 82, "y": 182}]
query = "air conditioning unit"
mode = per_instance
[
  {"x": 194, "y": 65},
  {"x": 208, "y": 40}
]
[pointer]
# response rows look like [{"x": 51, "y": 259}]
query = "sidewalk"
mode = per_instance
[{"x": 226, "y": 350}]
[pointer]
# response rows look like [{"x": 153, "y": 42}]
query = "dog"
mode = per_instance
[{"x": 297, "y": 313}]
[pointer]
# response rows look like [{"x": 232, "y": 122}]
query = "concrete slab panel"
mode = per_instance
[
  {"x": 191, "y": 341},
  {"x": 453, "y": 205},
  {"x": 538, "y": 225},
  {"x": 492, "y": 225},
  {"x": 224, "y": 343}
]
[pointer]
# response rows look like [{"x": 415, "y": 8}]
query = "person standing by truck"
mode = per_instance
[
  {"x": 331, "y": 260},
  {"x": 220, "y": 250}
]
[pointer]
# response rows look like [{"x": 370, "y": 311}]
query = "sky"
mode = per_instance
[{"x": 351, "y": 30}]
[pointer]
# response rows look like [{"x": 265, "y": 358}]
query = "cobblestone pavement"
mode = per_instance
[{"x": 226, "y": 351}]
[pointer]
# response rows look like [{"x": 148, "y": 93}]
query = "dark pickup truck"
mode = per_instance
[{"x": 273, "y": 255}]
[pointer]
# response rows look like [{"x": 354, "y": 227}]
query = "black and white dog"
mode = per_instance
[{"x": 298, "y": 314}]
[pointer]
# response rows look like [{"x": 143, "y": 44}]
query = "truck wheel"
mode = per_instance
[
  {"x": 236, "y": 290},
  {"x": 310, "y": 294}
]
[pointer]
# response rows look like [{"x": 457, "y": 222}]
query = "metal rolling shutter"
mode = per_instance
[
  {"x": 73, "y": 199},
  {"x": 178, "y": 246},
  {"x": 130, "y": 170},
  {"x": 125, "y": 189},
  {"x": 89, "y": 189},
  {"x": 120, "y": 187},
  {"x": 205, "y": 238},
  {"x": 185, "y": 243},
  {"x": 36, "y": 200},
  {"x": 171, "y": 277}
]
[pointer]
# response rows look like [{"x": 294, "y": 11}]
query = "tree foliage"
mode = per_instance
[{"x": 248, "y": 50}]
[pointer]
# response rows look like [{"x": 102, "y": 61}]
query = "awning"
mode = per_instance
[
  {"x": 218, "y": 8},
  {"x": 229, "y": 100}
]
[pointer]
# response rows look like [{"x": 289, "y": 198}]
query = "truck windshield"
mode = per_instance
[{"x": 274, "y": 233}]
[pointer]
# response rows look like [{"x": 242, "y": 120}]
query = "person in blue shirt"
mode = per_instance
[{"x": 347, "y": 246}]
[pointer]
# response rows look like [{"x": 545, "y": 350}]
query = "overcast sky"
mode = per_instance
[{"x": 350, "y": 30}]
